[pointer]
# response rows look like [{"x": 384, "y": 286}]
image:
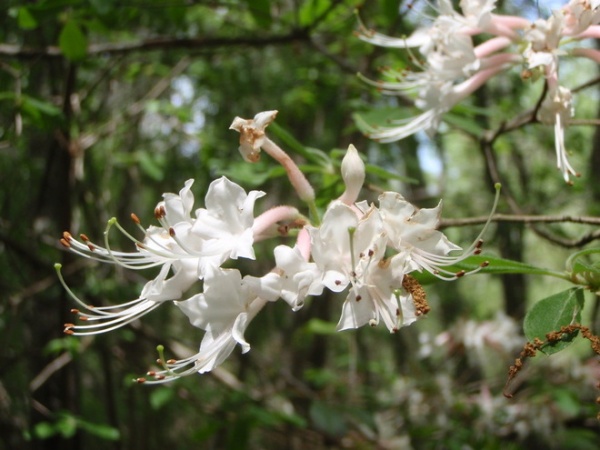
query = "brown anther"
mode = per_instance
[
  {"x": 338, "y": 282},
  {"x": 479, "y": 243},
  {"x": 157, "y": 213},
  {"x": 68, "y": 325},
  {"x": 460, "y": 273},
  {"x": 140, "y": 380},
  {"x": 477, "y": 251},
  {"x": 485, "y": 264},
  {"x": 75, "y": 311},
  {"x": 151, "y": 373},
  {"x": 67, "y": 235},
  {"x": 358, "y": 298},
  {"x": 371, "y": 253},
  {"x": 160, "y": 377},
  {"x": 91, "y": 247},
  {"x": 84, "y": 318},
  {"x": 135, "y": 218},
  {"x": 171, "y": 361},
  {"x": 397, "y": 312},
  {"x": 171, "y": 231},
  {"x": 84, "y": 238},
  {"x": 419, "y": 296},
  {"x": 159, "y": 361},
  {"x": 163, "y": 211},
  {"x": 68, "y": 331},
  {"x": 395, "y": 330},
  {"x": 65, "y": 243}
]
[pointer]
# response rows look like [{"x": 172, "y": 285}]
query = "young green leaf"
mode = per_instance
[
  {"x": 550, "y": 314},
  {"x": 72, "y": 41},
  {"x": 25, "y": 19}
]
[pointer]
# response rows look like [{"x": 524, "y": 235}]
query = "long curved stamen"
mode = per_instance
[
  {"x": 92, "y": 251},
  {"x": 127, "y": 312},
  {"x": 432, "y": 263},
  {"x": 174, "y": 369},
  {"x": 119, "y": 320}
]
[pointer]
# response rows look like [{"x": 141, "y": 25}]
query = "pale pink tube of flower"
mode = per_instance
[
  {"x": 299, "y": 182},
  {"x": 589, "y": 53},
  {"x": 491, "y": 46},
  {"x": 269, "y": 223}
]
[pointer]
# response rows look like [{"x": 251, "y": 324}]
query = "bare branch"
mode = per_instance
[
  {"x": 160, "y": 43},
  {"x": 530, "y": 220},
  {"x": 519, "y": 218}
]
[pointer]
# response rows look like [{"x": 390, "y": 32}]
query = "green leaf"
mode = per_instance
[
  {"x": 318, "y": 326},
  {"x": 99, "y": 430},
  {"x": 390, "y": 9},
  {"x": 56, "y": 346},
  {"x": 386, "y": 117},
  {"x": 550, "y": 314},
  {"x": 44, "y": 430},
  {"x": 467, "y": 124},
  {"x": 387, "y": 175},
  {"x": 66, "y": 425},
  {"x": 291, "y": 143},
  {"x": 25, "y": 19},
  {"x": 496, "y": 266},
  {"x": 311, "y": 10},
  {"x": 160, "y": 397},
  {"x": 261, "y": 12},
  {"x": 150, "y": 166},
  {"x": 72, "y": 41},
  {"x": 43, "y": 107}
]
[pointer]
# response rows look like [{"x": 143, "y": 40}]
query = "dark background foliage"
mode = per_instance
[{"x": 106, "y": 104}]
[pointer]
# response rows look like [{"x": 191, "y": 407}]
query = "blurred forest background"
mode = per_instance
[{"x": 106, "y": 104}]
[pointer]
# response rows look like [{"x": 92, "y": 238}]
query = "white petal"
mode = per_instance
[{"x": 355, "y": 313}]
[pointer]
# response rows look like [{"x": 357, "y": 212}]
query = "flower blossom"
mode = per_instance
[
  {"x": 557, "y": 109},
  {"x": 452, "y": 68},
  {"x": 367, "y": 250},
  {"x": 224, "y": 310},
  {"x": 182, "y": 246}
]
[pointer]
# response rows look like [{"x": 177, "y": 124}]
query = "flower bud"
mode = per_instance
[{"x": 353, "y": 174}]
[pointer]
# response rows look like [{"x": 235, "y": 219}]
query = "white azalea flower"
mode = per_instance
[
  {"x": 580, "y": 15},
  {"x": 178, "y": 256},
  {"x": 183, "y": 246},
  {"x": 224, "y": 310},
  {"x": 557, "y": 109},
  {"x": 412, "y": 232},
  {"x": 299, "y": 278},
  {"x": 544, "y": 39},
  {"x": 225, "y": 225},
  {"x": 350, "y": 251}
]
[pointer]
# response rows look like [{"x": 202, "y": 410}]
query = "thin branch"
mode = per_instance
[
  {"x": 519, "y": 218},
  {"x": 160, "y": 43},
  {"x": 530, "y": 220}
]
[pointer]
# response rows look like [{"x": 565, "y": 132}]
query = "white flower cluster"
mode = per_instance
[
  {"x": 365, "y": 249},
  {"x": 454, "y": 67}
]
